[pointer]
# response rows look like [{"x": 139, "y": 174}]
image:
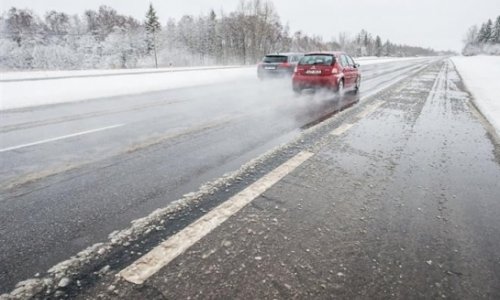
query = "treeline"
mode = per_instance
[
  {"x": 364, "y": 44},
  {"x": 105, "y": 39},
  {"x": 484, "y": 39}
]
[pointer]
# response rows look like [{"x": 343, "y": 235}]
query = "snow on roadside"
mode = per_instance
[
  {"x": 481, "y": 76},
  {"x": 31, "y": 75},
  {"x": 18, "y": 94}
]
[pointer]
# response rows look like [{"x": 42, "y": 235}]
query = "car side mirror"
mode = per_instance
[{"x": 356, "y": 65}]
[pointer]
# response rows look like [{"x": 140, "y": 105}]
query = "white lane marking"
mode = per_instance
[
  {"x": 343, "y": 128},
  {"x": 60, "y": 138},
  {"x": 370, "y": 109},
  {"x": 163, "y": 254}
]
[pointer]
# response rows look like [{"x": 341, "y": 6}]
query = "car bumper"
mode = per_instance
[
  {"x": 261, "y": 73},
  {"x": 306, "y": 82}
]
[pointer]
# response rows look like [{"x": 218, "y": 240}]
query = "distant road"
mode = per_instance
[{"x": 26, "y": 89}]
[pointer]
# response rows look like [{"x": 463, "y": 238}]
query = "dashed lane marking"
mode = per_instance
[
  {"x": 341, "y": 129},
  {"x": 370, "y": 109},
  {"x": 59, "y": 138},
  {"x": 163, "y": 254}
]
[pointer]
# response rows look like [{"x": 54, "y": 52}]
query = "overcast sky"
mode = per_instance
[{"x": 440, "y": 24}]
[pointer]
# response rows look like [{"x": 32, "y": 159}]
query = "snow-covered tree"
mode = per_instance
[
  {"x": 212, "y": 38},
  {"x": 495, "y": 35},
  {"x": 122, "y": 49},
  {"x": 485, "y": 32},
  {"x": 378, "y": 46},
  {"x": 488, "y": 32},
  {"x": 486, "y": 40},
  {"x": 387, "y": 48},
  {"x": 152, "y": 28},
  {"x": 57, "y": 23},
  {"x": 471, "y": 41},
  {"x": 103, "y": 38},
  {"x": 24, "y": 27}
]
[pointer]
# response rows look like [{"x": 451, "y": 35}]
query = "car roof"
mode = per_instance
[
  {"x": 284, "y": 54},
  {"x": 335, "y": 53}
]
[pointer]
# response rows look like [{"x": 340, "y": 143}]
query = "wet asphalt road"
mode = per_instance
[
  {"x": 58, "y": 198},
  {"x": 404, "y": 205}
]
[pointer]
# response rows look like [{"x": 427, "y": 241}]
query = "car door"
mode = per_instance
[
  {"x": 354, "y": 71},
  {"x": 293, "y": 61},
  {"x": 347, "y": 70}
]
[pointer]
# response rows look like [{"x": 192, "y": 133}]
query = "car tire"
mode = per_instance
[
  {"x": 358, "y": 84},
  {"x": 296, "y": 90},
  {"x": 340, "y": 88}
]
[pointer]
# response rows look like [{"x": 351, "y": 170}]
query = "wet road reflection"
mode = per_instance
[
  {"x": 315, "y": 114},
  {"x": 72, "y": 193}
]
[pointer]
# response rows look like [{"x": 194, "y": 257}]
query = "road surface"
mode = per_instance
[
  {"x": 399, "y": 200},
  {"x": 73, "y": 173}
]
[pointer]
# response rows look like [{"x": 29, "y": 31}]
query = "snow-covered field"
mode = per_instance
[
  {"x": 19, "y": 94},
  {"x": 481, "y": 75},
  {"x": 25, "y": 89},
  {"x": 30, "y": 75}
]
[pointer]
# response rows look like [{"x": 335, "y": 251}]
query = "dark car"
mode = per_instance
[
  {"x": 336, "y": 71},
  {"x": 278, "y": 65}
]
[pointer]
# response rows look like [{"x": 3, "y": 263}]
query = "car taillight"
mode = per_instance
[
  {"x": 296, "y": 70},
  {"x": 335, "y": 71},
  {"x": 284, "y": 65}
]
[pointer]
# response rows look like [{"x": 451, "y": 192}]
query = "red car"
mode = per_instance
[{"x": 336, "y": 71}]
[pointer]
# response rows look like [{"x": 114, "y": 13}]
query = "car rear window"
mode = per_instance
[
  {"x": 317, "y": 59},
  {"x": 275, "y": 59}
]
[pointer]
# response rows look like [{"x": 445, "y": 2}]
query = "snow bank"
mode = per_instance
[
  {"x": 481, "y": 75},
  {"x": 17, "y": 94},
  {"x": 37, "y": 75}
]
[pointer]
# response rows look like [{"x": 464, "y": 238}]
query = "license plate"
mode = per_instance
[
  {"x": 313, "y": 72},
  {"x": 270, "y": 68}
]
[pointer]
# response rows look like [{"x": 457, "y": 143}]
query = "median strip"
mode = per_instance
[{"x": 163, "y": 254}]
